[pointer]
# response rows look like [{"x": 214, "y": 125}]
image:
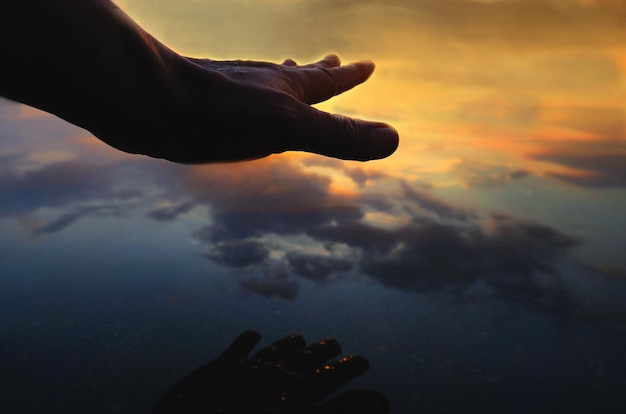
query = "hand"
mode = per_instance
[
  {"x": 90, "y": 64},
  {"x": 239, "y": 110},
  {"x": 285, "y": 377}
]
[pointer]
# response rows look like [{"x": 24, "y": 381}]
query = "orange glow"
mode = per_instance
[{"x": 458, "y": 79}]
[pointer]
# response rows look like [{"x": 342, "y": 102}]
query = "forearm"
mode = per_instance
[{"x": 87, "y": 62}]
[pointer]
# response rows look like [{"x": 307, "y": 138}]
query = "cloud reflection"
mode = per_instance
[
  {"x": 310, "y": 233},
  {"x": 595, "y": 165},
  {"x": 276, "y": 222}
]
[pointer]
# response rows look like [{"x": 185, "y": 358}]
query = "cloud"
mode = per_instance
[
  {"x": 8, "y": 109},
  {"x": 478, "y": 174},
  {"x": 278, "y": 224},
  {"x": 50, "y": 198},
  {"x": 66, "y": 219},
  {"x": 597, "y": 164},
  {"x": 516, "y": 110},
  {"x": 238, "y": 253},
  {"x": 266, "y": 196},
  {"x": 170, "y": 212},
  {"x": 58, "y": 185},
  {"x": 358, "y": 175},
  {"x": 275, "y": 282},
  {"x": 428, "y": 204},
  {"x": 269, "y": 288},
  {"x": 602, "y": 122},
  {"x": 439, "y": 248},
  {"x": 318, "y": 268}
]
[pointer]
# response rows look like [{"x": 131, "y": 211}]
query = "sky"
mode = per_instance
[
  {"x": 509, "y": 184},
  {"x": 511, "y": 107}
]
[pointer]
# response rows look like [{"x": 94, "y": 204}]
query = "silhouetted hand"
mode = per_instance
[
  {"x": 253, "y": 109},
  {"x": 90, "y": 64},
  {"x": 286, "y": 377}
]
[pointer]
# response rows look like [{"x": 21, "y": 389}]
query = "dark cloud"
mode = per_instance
[
  {"x": 238, "y": 253},
  {"x": 511, "y": 256},
  {"x": 274, "y": 283},
  {"x": 441, "y": 248},
  {"x": 479, "y": 174},
  {"x": 66, "y": 219},
  {"x": 359, "y": 175},
  {"x": 58, "y": 185},
  {"x": 428, "y": 204},
  {"x": 273, "y": 216},
  {"x": 8, "y": 109},
  {"x": 599, "y": 164},
  {"x": 266, "y": 197},
  {"x": 10, "y": 162},
  {"x": 169, "y": 213},
  {"x": 279, "y": 289},
  {"x": 319, "y": 269},
  {"x": 52, "y": 197}
]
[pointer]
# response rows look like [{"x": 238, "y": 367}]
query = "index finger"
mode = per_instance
[
  {"x": 321, "y": 82},
  {"x": 242, "y": 345}
]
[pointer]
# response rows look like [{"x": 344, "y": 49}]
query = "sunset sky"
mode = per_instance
[
  {"x": 492, "y": 98},
  {"x": 509, "y": 183}
]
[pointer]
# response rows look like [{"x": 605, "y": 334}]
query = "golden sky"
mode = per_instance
[
  {"x": 511, "y": 115},
  {"x": 516, "y": 84}
]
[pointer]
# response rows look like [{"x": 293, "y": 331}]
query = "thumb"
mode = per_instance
[
  {"x": 346, "y": 138},
  {"x": 241, "y": 346}
]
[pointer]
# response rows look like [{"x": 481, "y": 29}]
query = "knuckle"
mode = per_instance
[{"x": 348, "y": 132}]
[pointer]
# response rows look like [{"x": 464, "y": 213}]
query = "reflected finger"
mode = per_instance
[
  {"x": 340, "y": 372},
  {"x": 242, "y": 345},
  {"x": 282, "y": 349},
  {"x": 318, "y": 354}
]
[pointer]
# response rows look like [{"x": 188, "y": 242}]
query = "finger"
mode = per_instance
[
  {"x": 357, "y": 401},
  {"x": 318, "y": 354},
  {"x": 342, "y": 137},
  {"x": 336, "y": 374},
  {"x": 329, "y": 61},
  {"x": 290, "y": 62},
  {"x": 323, "y": 82},
  {"x": 242, "y": 345},
  {"x": 282, "y": 349}
]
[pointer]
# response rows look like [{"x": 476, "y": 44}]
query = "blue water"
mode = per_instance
[{"x": 118, "y": 276}]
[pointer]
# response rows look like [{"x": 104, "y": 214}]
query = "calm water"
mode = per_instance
[
  {"x": 480, "y": 269},
  {"x": 119, "y": 275}
]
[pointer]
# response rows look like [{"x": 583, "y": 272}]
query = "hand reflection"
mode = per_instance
[{"x": 285, "y": 377}]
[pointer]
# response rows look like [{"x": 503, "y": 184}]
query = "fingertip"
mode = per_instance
[
  {"x": 383, "y": 142},
  {"x": 244, "y": 343},
  {"x": 290, "y": 62},
  {"x": 367, "y": 68},
  {"x": 369, "y": 64},
  {"x": 358, "y": 364},
  {"x": 331, "y": 60}
]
